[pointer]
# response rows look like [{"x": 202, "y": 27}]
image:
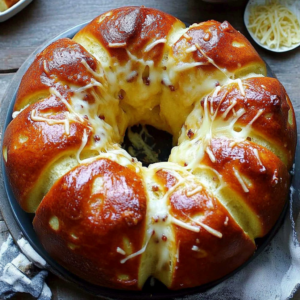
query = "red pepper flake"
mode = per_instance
[
  {"x": 217, "y": 83},
  {"x": 185, "y": 164},
  {"x": 172, "y": 88},
  {"x": 97, "y": 138},
  {"x": 155, "y": 188},
  {"x": 146, "y": 81},
  {"x": 121, "y": 94},
  {"x": 165, "y": 218},
  {"x": 86, "y": 117},
  {"x": 155, "y": 219},
  {"x": 164, "y": 238},
  {"x": 190, "y": 133},
  {"x": 101, "y": 117}
]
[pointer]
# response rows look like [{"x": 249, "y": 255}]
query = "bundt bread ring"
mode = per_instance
[{"x": 186, "y": 222}]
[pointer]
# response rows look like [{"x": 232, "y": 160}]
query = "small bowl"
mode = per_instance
[
  {"x": 295, "y": 8},
  {"x": 5, "y": 15}
]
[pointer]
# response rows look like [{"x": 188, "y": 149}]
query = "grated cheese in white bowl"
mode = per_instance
[{"x": 274, "y": 24}]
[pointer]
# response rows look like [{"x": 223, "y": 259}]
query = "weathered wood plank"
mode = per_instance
[
  {"x": 42, "y": 20},
  {"x": 4, "y": 82}
]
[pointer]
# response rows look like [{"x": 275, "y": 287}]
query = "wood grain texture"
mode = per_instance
[{"x": 43, "y": 20}]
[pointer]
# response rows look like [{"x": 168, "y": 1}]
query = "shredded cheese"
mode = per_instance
[
  {"x": 65, "y": 121},
  {"x": 241, "y": 181},
  {"x": 228, "y": 109},
  {"x": 207, "y": 228},
  {"x": 194, "y": 191},
  {"x": 258, "y": 159},
  {"x": 152, "y": 45},
  {"x": 191, "y": 49},
  {"x": 260, "y": 111},
  {"x": 210, "y": 154},
  {"x": 239, "y": 81},
  {"x": 121, "y": 251},
  {"x": 149, "y": 233},
  {"x": 274, "y": 25},
  {"x": 185, "y": 66},
  {"x": 188, "y": 37},
  {"x": 91, "y": 84},
  {"x": 226, "y": 221},
  {"x": 184, "y": 225},
  {"x": 83, "y": 143},
  {"x": 116, "y": 45}
]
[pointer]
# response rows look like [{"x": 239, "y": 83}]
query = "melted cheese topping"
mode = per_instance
[
  {"x": 258, "y": 159},
  {"x": 123, "y": 261},
  {"x": 121, "y": 251},
  {"x": 152, "y": 45},
  {"x": 194, "y": 191},
  {"x": 241, "y": 181},
  {"x": 210, "y": 154},
  {"x": 185, "y": 225},
  {"x": 226, "y": 221},
  {"x": 224, "y": 71},
  {"x": 125, "y": 94},
  {"x": 65, "y": 121},
  {"x": 207, "y": 228},
  {"x": 116, "y": 45},
  {"x": 191, "y": 49},
  {"x": 83, "y": 143}
]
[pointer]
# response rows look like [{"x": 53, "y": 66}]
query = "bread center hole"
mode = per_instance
[{"x": 148, "y": 144}]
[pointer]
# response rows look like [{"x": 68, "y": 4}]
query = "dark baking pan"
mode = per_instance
[{"x": 19, "y": 221}]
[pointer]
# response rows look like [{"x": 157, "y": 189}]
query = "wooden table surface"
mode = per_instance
[{"x": 44, "y": 19}]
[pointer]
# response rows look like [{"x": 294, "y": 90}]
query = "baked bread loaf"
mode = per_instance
[
  {"x": 6, "y": 4},
  {"x": 186, "y": 222}
]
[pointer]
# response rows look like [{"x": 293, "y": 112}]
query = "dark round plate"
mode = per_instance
[{"x": 19, "y": 221}]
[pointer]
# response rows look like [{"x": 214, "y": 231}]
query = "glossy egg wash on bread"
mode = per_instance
[{"x": 98, "y": 211}]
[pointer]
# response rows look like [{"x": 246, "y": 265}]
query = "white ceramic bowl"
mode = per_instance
[
  {"x": 294, "y": 7},
  {"x": 13, "y": 10}
]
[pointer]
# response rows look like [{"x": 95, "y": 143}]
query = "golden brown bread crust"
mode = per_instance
[
  {"x": 92, "y": 225},
  {"x": 268, "y": 96},
  {"x": 39, "y": 143},
  {"x": 187, "y": 222},
  {"x": 219, "y": 42},
  {"x": 136, "y": 27},
  {"x": 266, "y": 175},
  {"x": 205, "y": 256},
  {"x": 59, "y": 65}
]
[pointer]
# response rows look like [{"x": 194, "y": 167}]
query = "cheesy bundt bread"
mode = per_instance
[{"x": 186, "y": 222}]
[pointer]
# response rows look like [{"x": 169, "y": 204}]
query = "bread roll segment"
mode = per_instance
[
  {"x": 188, "y": 221},
  {"x": 212, "y": 244},
  {"x": 93, "y": 221}
]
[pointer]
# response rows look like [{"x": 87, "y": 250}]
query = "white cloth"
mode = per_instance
[{"x": 18, "y": 274}]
